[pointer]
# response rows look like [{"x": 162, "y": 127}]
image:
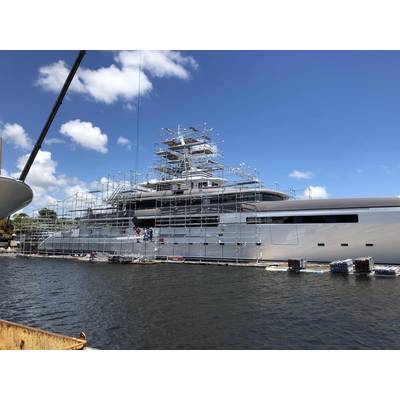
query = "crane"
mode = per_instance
[{"x": 16, "y": 194}]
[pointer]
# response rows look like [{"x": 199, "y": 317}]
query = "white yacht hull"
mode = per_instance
[
  {"x": 376, "y": 234},
  {"x": 14, "y": 195}
]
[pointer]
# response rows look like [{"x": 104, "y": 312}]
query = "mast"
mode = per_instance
[{"x": 51, "y": 116}]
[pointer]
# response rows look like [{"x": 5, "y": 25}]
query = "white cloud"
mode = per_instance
[
  {"x": 52, "y": 77},
  {"x": 54, "y": 141},
  {"x": 119, "y": 81},
  {"x": 315, "y": 192},
  {"x": 41, "y": 177},
  {"x": 42, "y": 172},
  {"x": 301, "y": 174},
  {"x": 110, "y": 84},
  {"x": 16, "y": 134},
  {"x": 79, "y": 187},
  {"x": 86, "y": 135},
  {"x": 47, "y": 186},
  {"x": 124, "y": 142},
  {"x": 161, "y": 64}
]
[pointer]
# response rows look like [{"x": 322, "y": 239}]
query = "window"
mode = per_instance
[
  {"x": 270, "y": 197},
  {"x": 321, "y": 244},
  {"x": 369, "y": 244},
  {"x": 344, "y": 244},
  {"x": 305, "y": 219},
  {"x": 189, "y": 221},
  {"x": 145, "y": 204},
  {"x": 144, "y": 223}
]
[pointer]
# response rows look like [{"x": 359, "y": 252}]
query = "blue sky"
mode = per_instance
[{"x": 331, "y": 116}]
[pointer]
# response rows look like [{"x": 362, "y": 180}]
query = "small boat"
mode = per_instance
[{"x": 21, "y": 337}]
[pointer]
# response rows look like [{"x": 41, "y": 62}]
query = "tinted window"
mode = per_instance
[
  {"x": 189, "y": 221},
  {"x": 143, "y": 204},
  {"x": 305, "y": 219}
]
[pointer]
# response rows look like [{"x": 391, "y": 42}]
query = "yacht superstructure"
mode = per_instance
[{"x": 196, "y": 211}]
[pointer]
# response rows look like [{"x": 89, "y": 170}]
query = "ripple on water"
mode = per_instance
[{"x": 200, "y": 307}]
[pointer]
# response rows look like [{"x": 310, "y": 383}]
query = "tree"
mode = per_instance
[
  {"x": 20, "y": 215},
  {"x": 47, "y": 213},
  {"x": 17, "y": 218}
]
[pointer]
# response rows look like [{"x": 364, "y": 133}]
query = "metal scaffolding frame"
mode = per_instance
[{"x": 180, "y": 203}]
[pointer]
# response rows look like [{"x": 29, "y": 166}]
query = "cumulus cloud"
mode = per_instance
[
  {"x": 119, "y": 81},
  {"x": 315, "y": 192},
  {"x": 160, "y": 64},
  {"x": 301, "y": 174},
  {"x": 42, "y": 171},
  {"x": 48, "y": 186},
  {"x": 41, "y": 177},
  {"x": 52, "y": 77},
  {"x": 15, "y": 133},
  {"x": 124, "y": 142},
  {"x": 86, "y": 135},
  {"x": 54, "y": 141}
]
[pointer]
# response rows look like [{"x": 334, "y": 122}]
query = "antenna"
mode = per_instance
[{"x": 51, "y": 116}]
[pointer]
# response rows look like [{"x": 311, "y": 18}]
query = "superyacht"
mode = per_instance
[{"x": 196, "y": 212}]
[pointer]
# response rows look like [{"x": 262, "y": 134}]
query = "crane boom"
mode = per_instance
[{"x": 51, "y": 116}]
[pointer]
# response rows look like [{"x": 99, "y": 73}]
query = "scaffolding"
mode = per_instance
[{"x": 174, "y": 209}]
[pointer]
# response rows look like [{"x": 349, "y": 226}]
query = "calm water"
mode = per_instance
[{"x": 200, "y": 307}]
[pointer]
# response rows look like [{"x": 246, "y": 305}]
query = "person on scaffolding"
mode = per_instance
[
  {"x": 150, "y": 234},
  {"x": 138, "y": 234}
]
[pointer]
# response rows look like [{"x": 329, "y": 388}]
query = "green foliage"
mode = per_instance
[{"x": 47, "y": 213}]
